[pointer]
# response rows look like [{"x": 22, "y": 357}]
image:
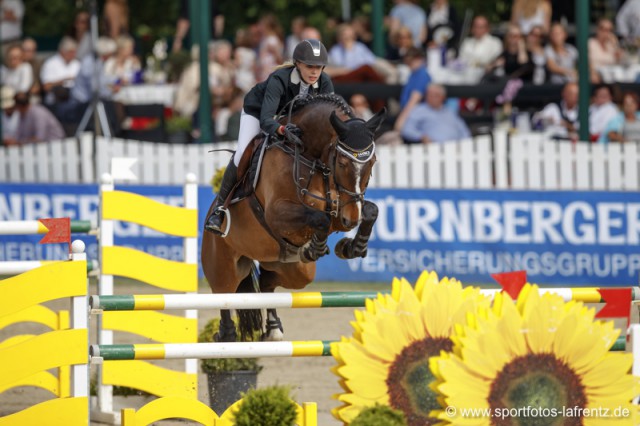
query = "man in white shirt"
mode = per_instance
[
  {"x": 17, "y": 74},
  {"x": 601, "y": 111},
  {"x": 59, "y": 72},
  {"x": 561, "y": 118},
  {"x": 482, "y": 48}
]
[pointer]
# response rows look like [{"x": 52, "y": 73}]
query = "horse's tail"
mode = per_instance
[{"x": 249, "y": 320}]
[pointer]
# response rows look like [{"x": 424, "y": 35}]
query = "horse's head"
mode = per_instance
[{"x": 353, "y": 156}]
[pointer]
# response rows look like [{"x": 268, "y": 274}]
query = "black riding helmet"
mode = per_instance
[{"x": 311, "y": 52}]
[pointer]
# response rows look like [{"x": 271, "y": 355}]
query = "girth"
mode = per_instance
[{"x": 289, "y": 253}]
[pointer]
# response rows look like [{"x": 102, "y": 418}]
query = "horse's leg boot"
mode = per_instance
[{"x": 214, "y": 221}]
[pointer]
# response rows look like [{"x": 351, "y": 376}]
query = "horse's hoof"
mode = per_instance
[{"x": 274, "y": 335}]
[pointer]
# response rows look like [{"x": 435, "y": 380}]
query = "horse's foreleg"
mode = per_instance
[
  {"x": 316, "y": 248},
  {"x": 349, "y": 248},
  {"x": 274, "y": 331},
  {"x": 227, "y": 330}
]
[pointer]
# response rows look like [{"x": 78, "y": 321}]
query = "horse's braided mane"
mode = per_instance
[{"x": 330, "y": 98}]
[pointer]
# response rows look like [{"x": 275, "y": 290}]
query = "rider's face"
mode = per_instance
[{"x": 309, "y": 73}]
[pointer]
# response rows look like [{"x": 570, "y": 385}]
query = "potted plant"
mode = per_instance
[
  {"x": 178, "y": 128},
  {"x": 379, "y": 415},
  {"x": 228, "y": 378},
  {"x": 270, "y": 406}
]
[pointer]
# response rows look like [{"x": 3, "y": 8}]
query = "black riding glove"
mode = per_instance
[{"x": 292, "y": 130}]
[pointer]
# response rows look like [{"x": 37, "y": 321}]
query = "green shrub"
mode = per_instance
[
  {"x": 379, "y": 415},
  {"x": 224, "y": 364},
  {"x": 270, "y": 406}
]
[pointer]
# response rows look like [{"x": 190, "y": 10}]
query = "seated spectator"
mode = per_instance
[
  {"x": 17, "y": 73},
  {"x": 10, "y": 119},
  {"x": 222, "y": 72},
  {"x": 482, "y": 48},
  {"x": 124, "y": 66},
  {"x": 562, "y": 57},
  {"x": 527, "y": 14},
  {"x": 399, "y": 45},
  {"x": 29, "y": 55},
  {"x": 560, "y": 119},
  {"x": 626, "y": 125},
  {"x": 81, "y": 33},
  {"x": 406, "y": 13},
  {"x": 245, "y": 61},
  {"x": 360, "y": 106},
  {"x": 271, "y": 47},
  {"x": 601, "y": 111},
  {"x": 604, "y": 49},
  {"x": 362, "y": 27},
  {"x": 443, "y": 27},
  {"x": 515, "y": 60},
  {"x": 627, "y": 20},
  {"x": 350, "y": 60},
  {"x": 59, "y": 72},
  {"x": 535, "y": 47},
  {"x": 37, "y": 123},
  {"x": 298, "y": 24},
  {"x": 433, "y": 121},
  {"x": 413, "y": 92},
  {"x": 11, "y": 15}
]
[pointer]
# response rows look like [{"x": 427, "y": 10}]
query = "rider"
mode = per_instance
[{"x": 304, "y": 76}]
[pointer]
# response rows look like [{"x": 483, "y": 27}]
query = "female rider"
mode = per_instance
[{"x": 304, "y": 76}]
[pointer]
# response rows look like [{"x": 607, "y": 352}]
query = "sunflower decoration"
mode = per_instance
[
  {"x": 386, "y": 361},
  {"x": 537, "y": 361}
]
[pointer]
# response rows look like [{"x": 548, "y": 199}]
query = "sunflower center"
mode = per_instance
[
  {"x": 409, "y": 378},
  {"x": 533, "y": 389}
]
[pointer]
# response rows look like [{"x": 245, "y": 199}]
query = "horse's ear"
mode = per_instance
[
  {"x": 337, "y": 124},
  {"x": 374, "y": 122}
]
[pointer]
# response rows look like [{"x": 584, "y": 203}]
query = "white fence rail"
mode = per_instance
[{"x": 527, "y": 161}]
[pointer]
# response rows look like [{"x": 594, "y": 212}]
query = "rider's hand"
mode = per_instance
[{"x": 292, "y": 129}]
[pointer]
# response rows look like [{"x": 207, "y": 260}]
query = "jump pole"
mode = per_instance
[
  {"x": 159, "y": 302},
  {"x": 148, "y": 351},
  {"x": 32, "y": 227},
  {"x": 22, "y": 266}
]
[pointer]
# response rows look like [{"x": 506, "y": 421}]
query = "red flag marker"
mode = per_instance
[
  {"x": 617, "y": 303},
  {"x": 59, "y": 231},
  {"x": 511, "y": 282}
]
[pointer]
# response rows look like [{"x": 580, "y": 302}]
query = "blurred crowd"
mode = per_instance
[{"x": 424, "y": 45}]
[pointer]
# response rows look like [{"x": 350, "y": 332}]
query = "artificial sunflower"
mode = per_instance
[
  {"x": 386, "y": 361},
  {"x": 539, "y": 361}
]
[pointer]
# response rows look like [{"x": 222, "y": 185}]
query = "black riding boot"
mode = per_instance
[{"x": 214, "y": 221}]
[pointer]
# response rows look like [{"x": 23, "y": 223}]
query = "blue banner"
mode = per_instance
[{"x": 559, "y": 238}]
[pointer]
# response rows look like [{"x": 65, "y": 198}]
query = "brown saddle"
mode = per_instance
[{"x": 248, "y": 170}]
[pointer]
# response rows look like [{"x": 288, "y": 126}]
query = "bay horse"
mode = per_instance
[{"x": 308, "y": 188}]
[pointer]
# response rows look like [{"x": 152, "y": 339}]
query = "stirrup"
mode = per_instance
[{"x": 224, "y": 210}]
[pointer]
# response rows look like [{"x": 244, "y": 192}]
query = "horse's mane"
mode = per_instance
[{"x": 326, "y": 98}]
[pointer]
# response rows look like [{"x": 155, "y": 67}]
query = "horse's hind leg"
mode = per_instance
[
  {"x": 227, "y": 330},
  {"x": 348, "y": 248},
  {"x": 273, "y": 329}
]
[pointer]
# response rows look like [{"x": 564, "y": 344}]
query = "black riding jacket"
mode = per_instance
[{"x": 267, "y": 98}]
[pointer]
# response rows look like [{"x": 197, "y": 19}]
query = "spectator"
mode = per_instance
[
  {"x": 10, "y": 120},
  {"x": 515, "y": 60},
  {"x": 116, "y": 18},
  {"x": 526, "y": 14},
  {"x": 221, "y": 72},
  {"x": 59, "y": 72},
  {"x": 535, "y": 47},
  {"x": 271, "y": 48},
  {"x": 560, "y": 119},
  {"x": 350, "y": 60},
  {"x": 29, "y": 54},
  {"x": 245, "y": 61},
  {"x": 628, "y": 21},
  {"x": 604, "y": 49},
  {"x": 183, "y": 24},
  {"x": 17, "y": 73},
  {"x": 360, "y": 106},
  {"x": 362, "y": 27},
  {"x": 413, "y": 92},
  {"x": 124, "y": 65},
  {"x": 298, "y": 25},
  {"x": 601, "y": 111},
  {"x": 626, "y": 125},
  {"x": 37, "y": 123},
  {"x": 561, "y": 56},
  {"x": 399, "y": 45},
  {"x": 10, "y": 22},
  {"x": 433, "y": 121},
  {"x": 481, "y": 49},
  {"x": 405, "y": 13},
  {"x": 443, "y": 27},
  {"x": 81, "y": 33}
]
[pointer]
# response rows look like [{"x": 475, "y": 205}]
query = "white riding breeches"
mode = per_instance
[{"x": 249, "y": 128}]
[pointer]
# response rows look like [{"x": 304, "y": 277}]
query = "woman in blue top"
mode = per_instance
[{"x": 263, "y": 102}]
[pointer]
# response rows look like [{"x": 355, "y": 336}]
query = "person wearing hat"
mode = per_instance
[
  {"x": 10, "y": 120},
  {"x": 304, "y": 76}
]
